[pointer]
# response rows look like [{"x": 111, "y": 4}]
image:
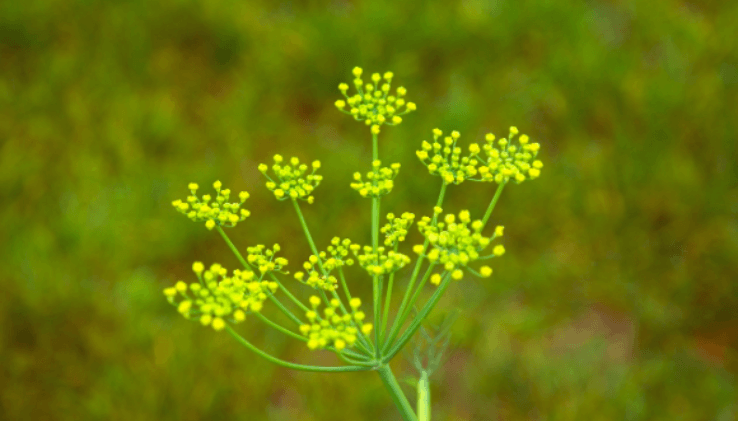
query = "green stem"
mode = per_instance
[
  {"x": 424, "y": 398},
  {"x": 376, "y": 287},
  {"x": 387, "y": 301},
  {"x": 398, "y": 396},
  {"x": 280, "y": 327},
  {"x": 404, "y": 310},
  {"x": 314, "y": 248},
  {"x": 399, "y": 321},
  {"x": 415, "y": 325},
  {"x": 288, "y": 364},
  {"x": 307, "y": 231},
  {"x": 233, "y": 248},
  {"x": 288, "y": 294},
  {"x": 492, "y": 204},
  {"x": 362, "y": 338},
  {"x": 245, "y": 264},
  {"x": 413, "y": 300}
]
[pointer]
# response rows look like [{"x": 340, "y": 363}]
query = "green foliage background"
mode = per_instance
[{"x": 616, "y": 300}]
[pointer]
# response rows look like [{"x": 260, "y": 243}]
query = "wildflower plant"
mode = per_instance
[{"x": 448, "y": 248}]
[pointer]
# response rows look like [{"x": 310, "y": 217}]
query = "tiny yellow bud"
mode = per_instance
[
  {"x": 437, "y": 209},
  {"x": 499, "y": 250},
  {"x": 314, "y": 301},
  {"x": 489, "y": 137},
  {"x": 218, "y": 323},
  {"x": 457, "y": 274},
  {"x": 210, "y": 224},
  {"x": 263, "y": 168},
  {"x": 342, "y": 87},
  {"x": 375, "y": 129},
  {"x": 401, "y": 91},
  {"x": 367, "y": 328},
  {"x": 474, "y": 148},
  {"x": 170, "y": 292},
  {"x": 534, "y": 172},
  {"x": 279, "y": 193},
  {"x": 278, "y": 158},
  {"x": 217, "y": 185},
  {"x": 340, "y": 104},
  {"x": 435, "y": 279},
  {"x": 411, "y": 106},
  {"x": 513, "y": 130},
  {"x": 205, "y": 319},
  {"x": 418, "y": 248},
  {"x": 181, "y": 286},
  {"x": 316, "y": 164},
  {"x": 499, "y": 230},
  {"x": 256, "y": 306},
  {"x": 193, "y": 186},
  {"x": 485, "y": 271},
  {"x": 355, "y": 303},
  {"x": 239, "y": 315},
  {"x": 376, "y": 77},
  {"x": 339, "y": 344},
  {"x": 184, "y": 306},
  {"x": 357, "y": 71}
]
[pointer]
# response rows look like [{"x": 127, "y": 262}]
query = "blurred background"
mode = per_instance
[{"x": 616, "y": 300}]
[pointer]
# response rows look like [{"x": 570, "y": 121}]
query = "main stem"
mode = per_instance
[
  {"x": 492, "y": 204},
  {"x": 376, "y": 281},
  {"x": 424, "y": 398},
  {"x": 398, "y": 396}
]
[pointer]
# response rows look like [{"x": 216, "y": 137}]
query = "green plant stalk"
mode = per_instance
[
  {"x": 399, "y": 321},
  {"x": 362, "y": 337},
  {"x": 314, "y": 249},
  {"x": 233, "y": 248},
  {"x": 274, "y": 299},
  {"x": 288, "y": 293},
  {"x": 424, "y": 397},
  {"x": 361, "y": 359},
  {"x": 280, "y": 327},
  {"x": 361, "y": 334},
  {"x": 288, "y": 364},
  {"x": 376, "y": 294},
  {"x": 387, "y": 301},
  {"x": 415, "y": 325},
  {"x": 390, "y": 382},
  {"x": 413, "y": 300},
  {"x": 492, "y": 204},
  {"x": 405, "y": 310}
]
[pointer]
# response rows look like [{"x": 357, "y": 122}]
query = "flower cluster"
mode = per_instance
[
  {"x": 264, "y": 259},
  {"x": 219, "y": 298},
  {"x": 333, "y": 329},
  {"x": 218, "y": 212},
  {"x": 516, "y": 162},
  {"x": 380, "y": 263},
  {"x": 320, "y": 277},
  {"x": 291, "y": 181},
  {"x": 455, "y": 245},
  {"x": 373, "y": 103},
  {"x": 396, "y": 228},
  {"x": 446, "y": 159},
  {"x": 379, "y": 181}
]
